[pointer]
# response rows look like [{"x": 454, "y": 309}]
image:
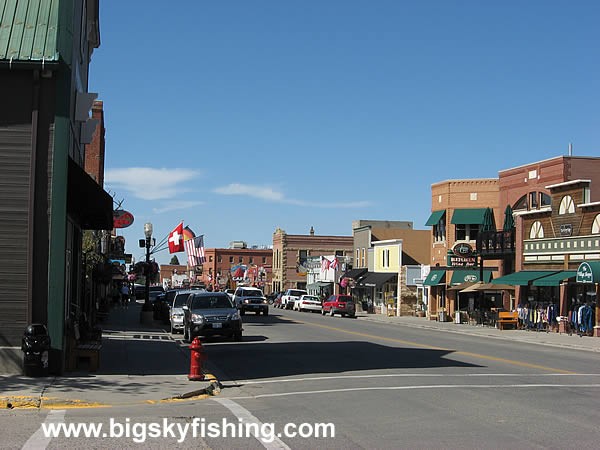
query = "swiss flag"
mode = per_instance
[{"x": 176, "y": 239}]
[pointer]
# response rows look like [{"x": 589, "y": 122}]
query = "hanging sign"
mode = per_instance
[{"x": 122, "y": 218}]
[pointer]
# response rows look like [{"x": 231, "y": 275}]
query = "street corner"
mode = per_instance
[{"x": 211, "y": 387}]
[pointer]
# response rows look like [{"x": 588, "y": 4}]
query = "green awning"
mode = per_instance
[
  {"x": 523, "y": 278},
  {"x": 555, "y": 279},
  {"x": 435, "y": 277},
  {"x": 471, "y": 276},
  {"x": 435, "y": 218},
  {"x": 588, "y": 272},
  {"x": 468, "y": 216}
]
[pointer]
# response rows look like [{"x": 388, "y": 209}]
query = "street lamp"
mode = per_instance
[{"x": 148, "y": 234}]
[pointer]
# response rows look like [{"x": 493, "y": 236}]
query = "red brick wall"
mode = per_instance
[{"x": 94, "y": 152}]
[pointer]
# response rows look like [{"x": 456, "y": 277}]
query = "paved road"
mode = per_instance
[{"x": 383, "y": 386}]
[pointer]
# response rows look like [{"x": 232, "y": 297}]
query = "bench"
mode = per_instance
[
  {"x": 84, "y": 349},
  {"x": 506, "y": 317}
]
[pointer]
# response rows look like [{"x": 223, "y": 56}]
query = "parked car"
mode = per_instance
[
  {"x": 250, "y": 299},
  {"x": 162, "y": 306},
  {"x": 308, "y": 303},
  {"x": 210, "y": 314},
  {"x": 290, "y": 296},
  {"x": 176, "y": 318},
  {"x": 272, "y": 296},
  {"x": 339, "y": 304}
]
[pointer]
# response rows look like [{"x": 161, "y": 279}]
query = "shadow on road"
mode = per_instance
[{"x": 248, "y": 360}]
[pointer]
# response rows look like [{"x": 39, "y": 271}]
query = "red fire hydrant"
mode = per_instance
[{"x": 197, "y": 358}]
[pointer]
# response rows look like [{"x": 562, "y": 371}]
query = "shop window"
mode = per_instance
[
  {"x": 566, "y": 205},
  {"x": 439, "y": 230},
  {"x": 596, "y": 225},
  {"x": 533, "y": 200},
  {"x": 545, "y": 199},
  {"x": 467, "y": 232},
  {"x": 521, "y": 203},
  {"x": 537, "y": 230}
]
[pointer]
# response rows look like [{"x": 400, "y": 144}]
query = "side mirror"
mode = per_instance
[{"x": 184, "y": 307}]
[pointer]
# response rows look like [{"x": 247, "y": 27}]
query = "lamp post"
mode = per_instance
[{"x": 148, "y": 234}]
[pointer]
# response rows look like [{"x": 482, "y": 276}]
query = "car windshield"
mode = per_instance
[
  {"x": 211, "y": 302},
  {"x": 297, "y": 293},
  {"x": 154, "y": 294},
  {"x": 180, "y": 300},
  {"x": 252, "y": 293},
  {"x": 310, "y": 297},
  {"x": 171, "y": 295}
]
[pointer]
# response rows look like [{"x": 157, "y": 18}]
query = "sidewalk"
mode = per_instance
[
  {"x": 591, "y": 344},
  {"x": 138, "y": 365}
]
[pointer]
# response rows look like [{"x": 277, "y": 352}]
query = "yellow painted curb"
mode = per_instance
[{"x": 32, "y": 402}]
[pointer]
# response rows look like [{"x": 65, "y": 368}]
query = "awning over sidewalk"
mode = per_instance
[
  {"x": 355, "y": 274},
  {"x": 319, "y": 284},
  {"x": 471, "y": 276},
  {"x": 373, "y": 279},
  {"x": 435, "y": 277},
  {"x": 523, "y": 277},
  {"x": 555, "y": 279}
]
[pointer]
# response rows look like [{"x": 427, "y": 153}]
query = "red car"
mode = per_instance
[{"x": 339, "y": 304}]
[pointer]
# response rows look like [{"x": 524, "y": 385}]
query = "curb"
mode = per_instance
[
  {"x": 33, "y": 402},
  {"x": 489, "y": 336}
]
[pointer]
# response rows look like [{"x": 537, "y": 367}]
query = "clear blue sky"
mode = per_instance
[{"x": 242, "y": 116}]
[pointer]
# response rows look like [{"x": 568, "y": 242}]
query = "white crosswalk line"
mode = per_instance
[{"x": 38, "y": 440}]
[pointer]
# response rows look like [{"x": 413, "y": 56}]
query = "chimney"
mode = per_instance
[
  {"x": 312, "y": 231},
  {"x": 570, "y": 149}
]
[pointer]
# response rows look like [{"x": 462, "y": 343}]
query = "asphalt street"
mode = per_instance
[{"x": 382, "y": 386}]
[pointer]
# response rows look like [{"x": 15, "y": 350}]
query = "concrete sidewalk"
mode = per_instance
[
  {"x": 138, "y": 365},
  {"x": 552, "y": 339}
]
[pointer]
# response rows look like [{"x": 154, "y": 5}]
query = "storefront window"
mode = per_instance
[{"x": 461, "y": 232}]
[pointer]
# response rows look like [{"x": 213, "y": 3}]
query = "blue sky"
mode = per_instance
[{"x": 239, "y": 117}]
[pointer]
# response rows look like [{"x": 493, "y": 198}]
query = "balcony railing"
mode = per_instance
[{"x": 496, "y": 243}]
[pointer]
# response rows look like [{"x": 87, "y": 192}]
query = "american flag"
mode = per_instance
[
  {"x": 195, "y": 251},
  {"x": 324, "y": 264},
  {"x": 334, "y": 263}
]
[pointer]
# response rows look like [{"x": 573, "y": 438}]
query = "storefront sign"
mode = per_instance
[
  {"x": 122, "y": 219},
  {"x": 455, "y": 261},
  {"x": 462, "y": 250},
  {"x": 566, "y": 229},
  {"x": 585, "y": 274}
]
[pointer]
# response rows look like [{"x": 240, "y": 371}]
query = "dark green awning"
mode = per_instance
[
  {"x": 468, "y": 216},
  {"x": 555, "y": 279},
  {"x": 471, "y": 276},
  {"x": 435, "y": 218},
  {"x": 318, "y": 284},
  {"x": 435, "y": 277},
  {"x": 523, "y": 278}
]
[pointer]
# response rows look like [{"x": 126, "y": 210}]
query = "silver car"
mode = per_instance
[{"x": 177, "y": 310}]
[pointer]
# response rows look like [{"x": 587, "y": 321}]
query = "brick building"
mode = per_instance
[
  {"x": 290, "y": 252},
  {"x": 94, "y": 151},
  {"x": 219, "y": 262}
]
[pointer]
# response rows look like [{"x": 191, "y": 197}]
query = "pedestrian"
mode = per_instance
[{"x": 124, "y": 297}]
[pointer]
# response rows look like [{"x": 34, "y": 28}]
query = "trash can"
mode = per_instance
[
  {"x": 442, "y": 316},
  {"x": 35, "y": 347},
  {"x": 457, "y": 317}
]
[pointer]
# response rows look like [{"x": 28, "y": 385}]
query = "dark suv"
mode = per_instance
[{"x": 211, "y": 314}]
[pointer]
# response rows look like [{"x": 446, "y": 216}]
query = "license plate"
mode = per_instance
[{"x": 217, "y": 325}]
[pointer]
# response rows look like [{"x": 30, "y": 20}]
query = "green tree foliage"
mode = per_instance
[{"x": 174, "y": 261}]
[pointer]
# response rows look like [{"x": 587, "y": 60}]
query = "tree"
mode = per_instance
[{"x": 174, "y": 260}]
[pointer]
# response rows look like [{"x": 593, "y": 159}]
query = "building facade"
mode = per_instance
[
  {"x": 254, "y": 264},
  {"x": 44, "y": 77},
  {"x": 291, "y": 251}
]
